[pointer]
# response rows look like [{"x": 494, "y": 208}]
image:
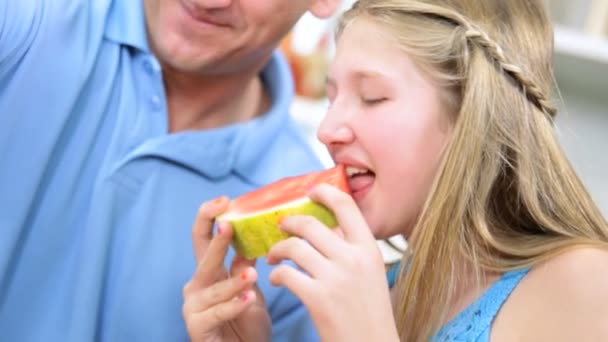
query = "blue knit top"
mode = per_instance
[{"x": 474, "y": 322}]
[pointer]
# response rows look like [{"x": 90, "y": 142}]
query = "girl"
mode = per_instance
[{"x": 440, "y": 110}]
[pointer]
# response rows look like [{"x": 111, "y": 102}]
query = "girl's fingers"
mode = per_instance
[
  {"x": 339, "y": 233},
  {"x": 202, "y": 229},
  {"x": 349, "y": 217},
  {"x": 211, "y": 266},
  {"x": 302, "y": 285},
  {"x": 220, "y": 313},
  {"x": 223, "y": 291},
  {"x": 301, "y": 253},
  {"x": 322, "y": 238},
  {"x": 240, "y": 264},
  {"x": 242, "y": 268}
]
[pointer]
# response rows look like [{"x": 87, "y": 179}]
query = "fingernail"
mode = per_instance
[
  {"x": 219, "y": 228},
  {"x": 245, "y": 296},
  {"x": 244, "y": 275},
  {"x": 218, "y": 200}
]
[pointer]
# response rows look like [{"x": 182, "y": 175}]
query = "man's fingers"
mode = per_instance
[{"x": 202, "y": 230}]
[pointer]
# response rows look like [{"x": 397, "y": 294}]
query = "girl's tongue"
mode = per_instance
[{"x": 361, "y": 181}]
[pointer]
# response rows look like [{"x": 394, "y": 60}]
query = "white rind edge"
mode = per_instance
[{"x": 240, "y": 216}]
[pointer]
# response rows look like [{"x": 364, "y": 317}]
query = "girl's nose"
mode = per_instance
[{"x": 334, "y": 129}]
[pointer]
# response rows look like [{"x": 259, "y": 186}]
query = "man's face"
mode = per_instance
[{"x": 218, "y": 36}]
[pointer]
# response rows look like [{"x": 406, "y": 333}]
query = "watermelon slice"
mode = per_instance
[{"x": 255, "y": 215}]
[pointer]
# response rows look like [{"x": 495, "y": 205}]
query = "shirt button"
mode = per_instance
[
  {"x": 150, "y": 67},
  {"x": 155, "y": 102}
]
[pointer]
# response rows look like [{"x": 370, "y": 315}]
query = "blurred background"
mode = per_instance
[{"x": 581, "y": 68}]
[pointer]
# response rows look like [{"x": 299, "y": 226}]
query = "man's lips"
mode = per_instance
[{"x": 202, "y": 17}]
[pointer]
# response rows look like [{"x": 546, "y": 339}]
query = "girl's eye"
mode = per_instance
[{"x": 373, "y": 101}]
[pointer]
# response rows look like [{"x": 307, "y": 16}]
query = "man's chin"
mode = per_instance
[{"x": 180, "y": 59}]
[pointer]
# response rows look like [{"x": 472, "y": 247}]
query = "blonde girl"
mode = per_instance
[{"x": 441, "y": 111}]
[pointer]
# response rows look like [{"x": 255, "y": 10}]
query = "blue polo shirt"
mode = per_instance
[{"x": 97, "y": 200}]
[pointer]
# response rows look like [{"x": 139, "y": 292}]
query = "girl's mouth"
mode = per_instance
[{"x": 360, "y": 181}]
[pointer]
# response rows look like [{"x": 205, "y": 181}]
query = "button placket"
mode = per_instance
[
  {"x": 149, "y": 67},
  {"x": 155, "y": 102},
  {"x": 152, "y": 69}
]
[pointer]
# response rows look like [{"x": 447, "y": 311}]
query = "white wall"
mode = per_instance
[{"x": 583, "y": 131}]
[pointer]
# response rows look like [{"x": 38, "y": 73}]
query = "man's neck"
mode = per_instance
[{"x": 195, "y": 102}]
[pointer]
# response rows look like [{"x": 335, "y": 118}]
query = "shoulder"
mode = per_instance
[
  {"x": 577, "y": 278},
  {"x": 582, "y": 273},
  {"x": 27, "y": 16},
  {"x": 19, "y": 23},
  {"x": 44, "y": 28},
  {"x": 562, "y": 299}
]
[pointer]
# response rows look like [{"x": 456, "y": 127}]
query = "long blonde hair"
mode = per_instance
[{"x": 505, "y": 196}]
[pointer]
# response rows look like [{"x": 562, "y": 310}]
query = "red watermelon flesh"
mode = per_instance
[{"x": 255, "y": 215}]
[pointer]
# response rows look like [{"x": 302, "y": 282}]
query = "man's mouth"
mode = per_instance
[{"x": 202, "y": 17}]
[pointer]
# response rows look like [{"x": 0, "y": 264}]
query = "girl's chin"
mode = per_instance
[
  {"x": 379, "y": 232},
  {"x": 383, "y": 232}
]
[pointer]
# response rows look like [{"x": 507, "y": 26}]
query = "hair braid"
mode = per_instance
[
  {"x": 476, "y": 35},
  {"x": 531, "y": 90}
]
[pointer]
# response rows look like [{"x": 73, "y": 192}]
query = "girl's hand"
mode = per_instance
[
  {"x": 222, "y": 305},
  {"x": 343, "y": 282}
]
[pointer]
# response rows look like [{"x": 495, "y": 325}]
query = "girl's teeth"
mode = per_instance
[{"x": 351, "y": 171}]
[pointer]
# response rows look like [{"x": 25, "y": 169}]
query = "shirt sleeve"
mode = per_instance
[{"x": 19, "y": 24}]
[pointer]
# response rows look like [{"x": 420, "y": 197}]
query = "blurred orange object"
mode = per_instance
[{"x": 309, "y": 70}]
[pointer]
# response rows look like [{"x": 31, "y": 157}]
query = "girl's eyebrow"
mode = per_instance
[
  {"x": 368, "y": 74},
  {"x": 357, "y": 75}
]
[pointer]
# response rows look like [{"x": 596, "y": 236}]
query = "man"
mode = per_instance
[{"x": 118, "y": 118}]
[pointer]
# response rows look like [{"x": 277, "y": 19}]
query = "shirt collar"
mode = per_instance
[
  {"x": 262, "y": 131},
  {"x": 126, "y": 24},
  {"x": 234, "y": 148}
]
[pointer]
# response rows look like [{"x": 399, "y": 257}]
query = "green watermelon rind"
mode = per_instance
[{"x": 254, "y": 235}]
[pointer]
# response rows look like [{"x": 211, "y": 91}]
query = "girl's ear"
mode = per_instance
[{"x": 323, "y": 8}]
